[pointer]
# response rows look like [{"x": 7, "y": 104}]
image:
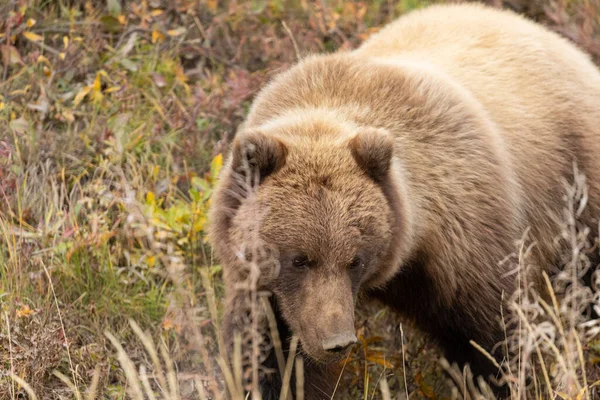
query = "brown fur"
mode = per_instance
[{"x": 427, "y": 152}]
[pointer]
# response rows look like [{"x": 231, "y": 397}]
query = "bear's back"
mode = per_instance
[
  {"x": 521, "y": 73},
  {"x": 539, "y": 90}
]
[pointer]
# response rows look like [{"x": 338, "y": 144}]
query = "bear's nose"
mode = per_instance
[{"x": 339, "y": 342}]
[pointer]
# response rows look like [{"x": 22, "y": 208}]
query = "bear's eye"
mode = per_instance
[
  {"x": 300, "y": 261},
  {"x": 356, "y": 262}
]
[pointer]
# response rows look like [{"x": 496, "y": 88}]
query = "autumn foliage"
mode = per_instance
[{"x": 114, "y": 120}]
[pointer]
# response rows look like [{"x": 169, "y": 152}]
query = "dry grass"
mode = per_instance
[
  {"x": 112, "y": 121},
  {"x": 555, "y": 337}
]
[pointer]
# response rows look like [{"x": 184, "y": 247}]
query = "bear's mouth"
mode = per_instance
[{"x": 325, "y": 357}]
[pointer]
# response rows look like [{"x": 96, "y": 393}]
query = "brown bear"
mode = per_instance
[{"x": 405, "y": 171}]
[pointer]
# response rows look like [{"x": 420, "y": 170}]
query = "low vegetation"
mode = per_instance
[{"x": 114, "y": 119}]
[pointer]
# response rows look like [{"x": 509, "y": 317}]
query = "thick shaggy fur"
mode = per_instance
[{"x": 427, "y": 152}]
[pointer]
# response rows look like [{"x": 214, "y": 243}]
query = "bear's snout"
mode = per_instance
[{"x": 339, "y": 342}]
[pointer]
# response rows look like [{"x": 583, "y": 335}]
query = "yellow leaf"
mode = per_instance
[
  {"x": 34, "y": 37},
  {"x": 215, "y": 167},
  {"x": 379, "y": 360},
  {"x": 156, "y": 13},
  {"x": 62, "y": 56},
  {"x": 96, "y": 90},
  {"x": 97, "y": 83},
  {"x": 2, "y": 105},
  {"x": 122, "y": 20},
  {"x": 81, "y": 95},
  {"x": 218, "y": 160},
  {"x": 150, "y": 199},
  {"x": 160, "y": 224},
  {"x": 42, "y": 59},
  {"x": 47, "y": 71},
  {"x": 20, "y": 91},
  {"x": 157, "y": 36},
  {"x": 112, "y": 89},
  {"x": 198, "y": 225},
  {"x": 151, "y": 261},
  {"x": 30, "y": 22},
  {"x": 65, "y": 42},
  {"x": 97, "y": 96},
  {"x": 25, "y": 311},
  {"x": 176, "y": 32}
]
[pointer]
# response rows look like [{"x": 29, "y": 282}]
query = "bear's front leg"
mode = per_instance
[
  {"x": 319, "y": 379},
  {"x": 318, "y": 384},
  {"x": 237, "y": 320},
  {"x": 412, "y": 293}
]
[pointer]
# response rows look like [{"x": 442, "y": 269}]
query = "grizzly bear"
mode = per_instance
[{"x": 405, "y": 171}]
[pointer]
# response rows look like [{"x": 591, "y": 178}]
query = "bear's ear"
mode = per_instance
[
  {"x": 253, "y": 151},
  {"x": 373, "y": 149}
]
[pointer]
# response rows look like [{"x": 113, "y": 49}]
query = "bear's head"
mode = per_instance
[{"x": 320, "y": 199}]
